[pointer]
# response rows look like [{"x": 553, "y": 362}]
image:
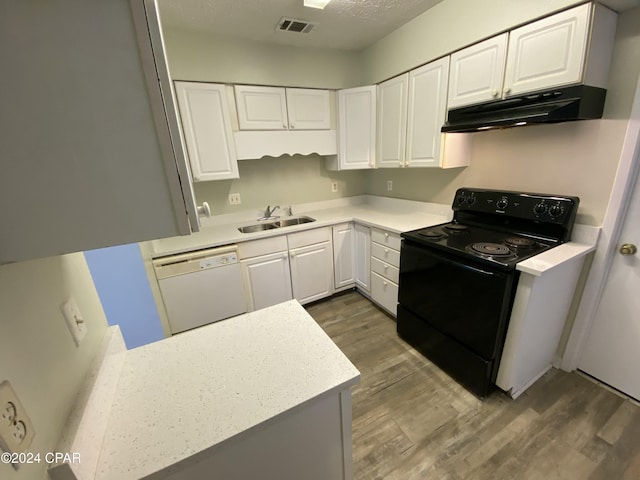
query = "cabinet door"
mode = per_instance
[
  {"x": 547, "y": 53},
  {"x": 308, "y": 109},
  {"x": 312, "y": 272},
  {"x": 477, "y": 72},
  {"x": 362, "y": 255},
  {"x": 261, "y": 108},
  {"x": 343, "y": 255},
  {"x": 267, "y": 280},
  {"x": 357, "y": 127},
  {"x": 206, "y": 126},
  {"x": 427, "y": 112},
  {"x": 392, "y": 121}
]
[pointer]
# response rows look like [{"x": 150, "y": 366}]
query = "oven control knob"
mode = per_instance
[
  {"x": 462, "y": 198},
  {"x": 471, "y": 199},
  {"x": 556, "y": 210},
  {"x": 502, "y": 204},
  {"x": 539, "y": 208}
]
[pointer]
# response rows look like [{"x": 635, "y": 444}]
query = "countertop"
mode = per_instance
[
  {"x": 172, "y": 402},
  {"x": 191, "y": 393},
  {"x": 394, "y": 215}
]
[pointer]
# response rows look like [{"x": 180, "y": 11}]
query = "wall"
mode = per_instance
[
  {"x": 205, "y": 57},
  {"x": 121, "y": 281},
  {"x": 280, "y": 181},
  {"x": 578, "y": 158},
  {"x": 37, "y": 353}
]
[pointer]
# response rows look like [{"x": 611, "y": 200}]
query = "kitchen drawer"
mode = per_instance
[
  {"x": 384, "y": 292},
  {"x": 386, "y": 254},
  {"x": 264, "y": 246},
  {"x": 388, "y": 271},
  {"x": 309, "y": 237},
  {"x": 387, "y": 239}
]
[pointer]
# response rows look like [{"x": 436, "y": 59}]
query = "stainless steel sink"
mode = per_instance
[
  {"x": 258, "y": 227},
  {"x": 285, "y": 222}
]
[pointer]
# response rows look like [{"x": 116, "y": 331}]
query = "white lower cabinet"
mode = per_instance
[
  {"x": 385, "y": 264},
  {"x": 344, "y": 267},
  {"x": 362, "y": 256},
  {"x": 266, "y": 273},
  {"x": 311, "y": 260}
]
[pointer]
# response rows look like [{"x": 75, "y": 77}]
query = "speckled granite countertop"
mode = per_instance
[{"x": 194, "y": 392}]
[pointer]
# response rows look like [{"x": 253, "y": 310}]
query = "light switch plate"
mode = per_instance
[{"x": 75, "y": 321}]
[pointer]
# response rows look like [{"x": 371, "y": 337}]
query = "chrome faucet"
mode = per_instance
[{"x": 268, "y": 213}]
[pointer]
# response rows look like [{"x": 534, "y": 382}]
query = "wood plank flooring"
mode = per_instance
[{"x": 411, "y": 421}]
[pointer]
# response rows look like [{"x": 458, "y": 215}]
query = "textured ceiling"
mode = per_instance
[{"x": 343, "y": 24}]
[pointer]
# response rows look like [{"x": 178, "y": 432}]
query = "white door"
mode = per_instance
[
  {"x": 357, "y": 127},
  {"x": 308, "y": 109},
  {"x": 261, "y": 108},
  {"x": 362, "y": 254},
  {"x": 267, "y": 280},
  {"x": 312, "y": 272},
  {"x": 392, "y": 122},
  {"x": 343, "y": 258},
  {"x": 612, "y": 350},
  {"x": 547, "y": 53},
  {"x": 206, "y": 125},
  {"x": 427, "y": 113},
  {"x": 477, "y": 72}
]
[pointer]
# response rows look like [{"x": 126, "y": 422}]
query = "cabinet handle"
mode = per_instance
[
  {"x": 386, "y": 251},
  {"x": 494, "y": 93},
  {"x": 385, "y": 267},
  {"x": 384, "y": 283},
  {"x": 293, "y": 126},
  {"x": 386, "y": 235},
  {"x": 506, "y": 90},
  {"x": 293, "y": 255},
  {"x": 284, "y": 125}
]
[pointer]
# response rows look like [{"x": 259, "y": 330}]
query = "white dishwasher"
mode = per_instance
[{"x": 201, "y": 287}]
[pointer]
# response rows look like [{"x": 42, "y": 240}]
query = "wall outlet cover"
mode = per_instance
[
  {"x": 15, "y": 435},
  {"x": 234, "y": 199},
  {"x": 389, "y": 185},
  {"x": 334, "y": 187}
]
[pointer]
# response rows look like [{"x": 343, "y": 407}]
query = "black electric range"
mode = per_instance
[{"x": 458, "y": 279}]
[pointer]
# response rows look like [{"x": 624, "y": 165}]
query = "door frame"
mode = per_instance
[{"x": 623, "y": 187}]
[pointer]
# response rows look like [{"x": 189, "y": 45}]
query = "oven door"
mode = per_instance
[{"x": 453, "y": 310}]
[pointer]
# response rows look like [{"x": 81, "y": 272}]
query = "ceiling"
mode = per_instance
[{"x": 343, "y": 24}]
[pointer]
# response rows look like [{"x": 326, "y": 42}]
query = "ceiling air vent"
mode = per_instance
[{"x": 296, "y": 26}]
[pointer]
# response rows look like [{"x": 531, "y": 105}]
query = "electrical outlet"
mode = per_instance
[
  {"x": 75, "y": 322},
  {"x": 389, "y": 185},
  {"x": 334, "y": 187},
  {"x": 16, "y": 429},
  {"x": 234, "y": 199}
]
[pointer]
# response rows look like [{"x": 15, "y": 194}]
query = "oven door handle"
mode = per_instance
[{"x": 476, "y": 270}]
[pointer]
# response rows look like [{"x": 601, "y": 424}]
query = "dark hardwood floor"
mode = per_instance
[{"x": 411, "y": 421}]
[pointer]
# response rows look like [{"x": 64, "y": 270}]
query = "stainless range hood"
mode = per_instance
[{"x": 578, "y": 102}]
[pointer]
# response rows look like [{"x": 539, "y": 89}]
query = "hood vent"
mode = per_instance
[
  {"x": 296, "y": 26},
  {"x": 579, "y": 102}
]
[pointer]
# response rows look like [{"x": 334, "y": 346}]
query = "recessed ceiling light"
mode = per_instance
[{"x": 316, "y": 3}]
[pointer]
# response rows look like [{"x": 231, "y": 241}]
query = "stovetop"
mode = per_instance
[
  {"x": 496, "y": 248},
  {"x": 501, "y": 228}
]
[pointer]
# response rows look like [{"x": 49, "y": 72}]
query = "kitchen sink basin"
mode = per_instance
[{"x": 285, "y": 222}]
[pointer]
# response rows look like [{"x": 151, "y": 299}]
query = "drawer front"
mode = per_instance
[
  {"x": 384, "y": 292},
  {"x": 388, "y": 271},
  {"x": 386, "y": 254},
  {"x": 265, "y": 246},
  {"x": 309, "y": 237},
  {"x": 387, "y": 239}
]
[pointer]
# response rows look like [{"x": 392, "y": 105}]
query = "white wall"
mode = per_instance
[{"x": 37, "y": 353}]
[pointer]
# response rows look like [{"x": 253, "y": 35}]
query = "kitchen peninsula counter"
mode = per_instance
[{"x": 249, "y": 394}]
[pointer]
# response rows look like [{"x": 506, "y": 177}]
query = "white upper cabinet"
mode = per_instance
[
  {"x": 356, "y": 129},
  {"x": 567, "y": 48},
  {"x": 261, "y": 108},
  {"x": 427, "y": 112},
  {"x": 547, "y": 53},
  {"x": 308, "y": 109},
  {"x": 477, "y": 72},
  {"x": 206, "y": 126},
  {"x": 277, "y": 108},
  {"x": 392, "y": 121}
]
